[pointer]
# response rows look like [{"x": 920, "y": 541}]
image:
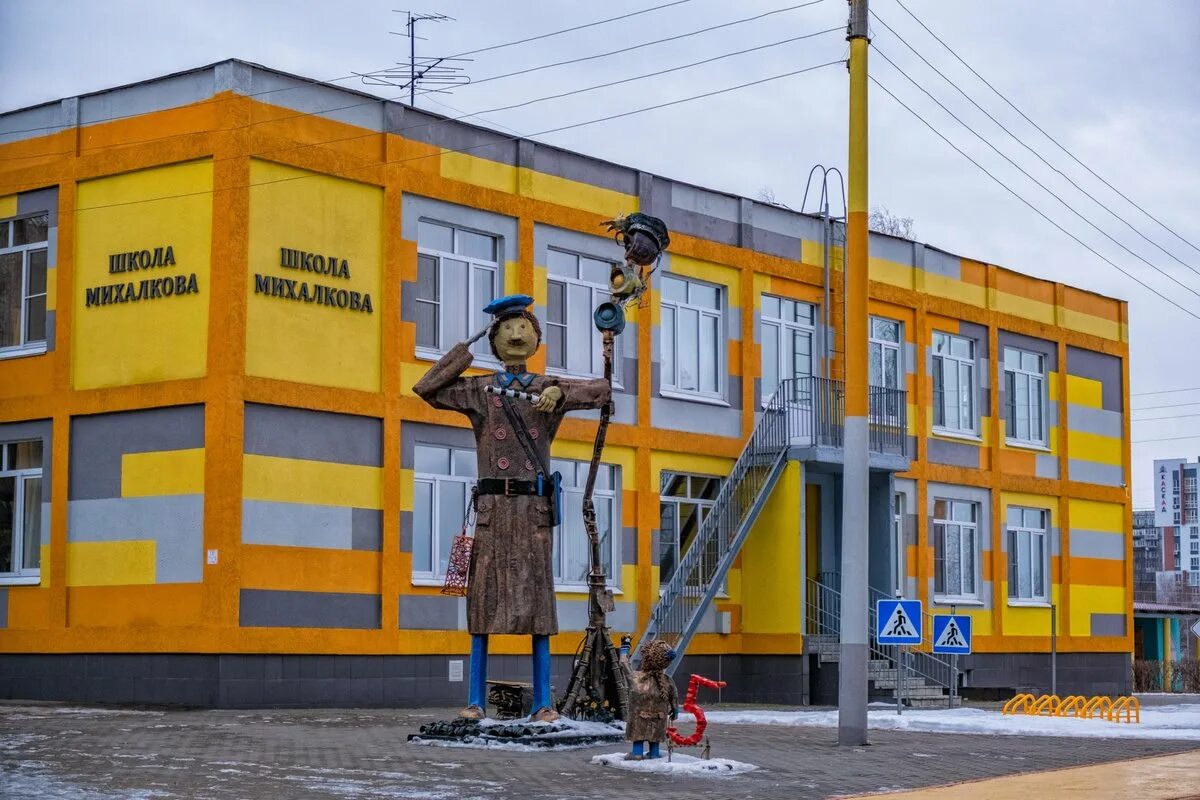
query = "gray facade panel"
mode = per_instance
[
  {"x": 685, "y": 415},
  {"x": 1098, "y": 367},
  {"x": 366, "y": 529},
  {"x": 891, "y": 248},
  {"x": 705, "y": 203},
  {"x": 777, "y": 244},
  {"x": 429, "y": 612},
  {"x": 956, "y": 454},
  {"x": 577, "y": 167},
  {"x": 30, "y": 123},
  {"x": 1043, "y": 347},
  {"x": 170, "y": 91},
  {"x": 431, "y": 129},
  {"x": 301, "y": 433},
  {"x": 1086, "y": 419},
  {"x": 702, "y": 226},
  {"x": 1108, "y": 624},
  {"x": 264, "y": 608},
  {"x": 942, "y": 263},
  {"x": 414, "y": 208},
  {"x": 629, "y": 550},
  {"x": 310, "y": 98},
  {"x": 415, "y": 433},
  {"x": 40, "y": 200},
  {"x": 296, "y": 525},
  {"x": 1095, "y": 472},
  {"x": 98, "y": 442}
]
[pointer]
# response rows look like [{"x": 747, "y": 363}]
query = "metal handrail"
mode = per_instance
[{"x": 817, "y": 413}]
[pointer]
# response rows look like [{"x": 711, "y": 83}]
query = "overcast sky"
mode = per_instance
[{"x": 1116, "y": 83}]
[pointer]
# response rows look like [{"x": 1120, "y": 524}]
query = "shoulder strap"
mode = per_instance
[{"x": 522, "y": 434}]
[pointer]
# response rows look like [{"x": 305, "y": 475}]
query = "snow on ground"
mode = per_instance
[
  {"x": 574, "y": 728},
  {"x": 1159, "y": 722},
  {"x": 680, "y": 764}
]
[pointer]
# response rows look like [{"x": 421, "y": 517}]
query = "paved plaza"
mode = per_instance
[{"x": 51, "y": 751}]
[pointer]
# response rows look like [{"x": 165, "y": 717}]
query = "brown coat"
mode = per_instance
[
  {"x": 649, "y": 711},
  {"x": 510, "y": 587}
]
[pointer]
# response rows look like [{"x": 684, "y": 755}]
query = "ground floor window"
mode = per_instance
[
  {"x": 20, "y": 509},
  {"x": 443, "y": 477},
  {"x": 1027, "y": 554},
  {"x": 684, "y": 503},
  {"x": 572, "y": 556},
  {"x": 955, "y": 548}
]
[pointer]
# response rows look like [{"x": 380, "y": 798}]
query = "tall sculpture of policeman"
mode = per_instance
[{"x": 510, "y": 585}]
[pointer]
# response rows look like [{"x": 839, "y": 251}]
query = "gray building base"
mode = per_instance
[
  {"x": 987, "y": 676},
  {"x": 355, "y": 681}
]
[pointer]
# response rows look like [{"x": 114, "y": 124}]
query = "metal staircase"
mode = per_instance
[
  {"x": 924, "y": 682},
  {"x": 702, "y": 569}
]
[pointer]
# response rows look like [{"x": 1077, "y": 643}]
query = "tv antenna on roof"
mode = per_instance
[{"x": 429, "y": 72}]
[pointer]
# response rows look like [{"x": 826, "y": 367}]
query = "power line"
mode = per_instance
[
  {"x": 1036, "y": 210},
  {"x": 1022, "y": 170},
  {"x": 697, "y": 32},
  {"x": 1159, "y": 419},
  {"x": 1166, "y": 391},
  {"x": 465, "y": 115},
  {"x": 1039, "y": 156},
  {"x": 1058, "y": 144},
  {"x": 307, "y": 84},
  {"x": 1167, "y": 439},
  {"x": 572, "y": 126},
  {"x": 1174, "y": 405},
  {"x": 484, "y": 80},
  {"x": 569, "y": 30}
]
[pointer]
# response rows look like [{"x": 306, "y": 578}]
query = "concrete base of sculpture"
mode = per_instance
[{"x": 519, "y": 734}]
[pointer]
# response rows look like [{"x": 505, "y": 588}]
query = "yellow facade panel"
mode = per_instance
[
  {"x": 1087, "y": 600},
  {"x": 952, "y": 289},
  {"x": 1085, "y": 392},
  {"x": 1093, "y": 447},
  {"x": 708, "y": 271},
  {"x": 121, "y": 563},
  {"x": 1093, "y": 515},
  {"x": 315, "y": 275},
  {"x": 164, "y": 472},
  {"x": 293, "y": 480},
  {"x": 890, "y": 272},
  {"x": 575, "y": 194},
  {"x": 8, "y": 206},
  {"x": 1022, "y": 307},
  {"x": 141, "y": 284},
  {"x": 1086, "y": 323},
  {"x": 479, "y": 171}
]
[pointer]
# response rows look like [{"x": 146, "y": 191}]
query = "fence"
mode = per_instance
[{"x": 816, "y": 411}]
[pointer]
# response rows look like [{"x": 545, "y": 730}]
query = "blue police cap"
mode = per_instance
[{"x": 512, "y": 303}]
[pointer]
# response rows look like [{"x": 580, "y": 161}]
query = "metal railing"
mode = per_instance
[
  {"x": 1182, "y": 596},
  {"x": 823, "y": 617},
  {"x": 816, "y": 412},
  {"x": 702, "y": 569}
]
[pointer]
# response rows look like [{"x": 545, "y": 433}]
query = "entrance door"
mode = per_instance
[{"x": 812, "y": 529}]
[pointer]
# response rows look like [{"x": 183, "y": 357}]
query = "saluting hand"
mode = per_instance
[{"x": 551, "y": 396}]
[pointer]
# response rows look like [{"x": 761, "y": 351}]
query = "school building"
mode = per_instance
[{"x": 217, "y": 487}]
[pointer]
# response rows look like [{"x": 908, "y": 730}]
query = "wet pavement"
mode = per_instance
[{"x": 50, "y": 751}]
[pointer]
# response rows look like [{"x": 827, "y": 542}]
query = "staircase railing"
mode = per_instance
[
  {"x": 823, "y": 618},
  {"x": 702, "y": 569},
  {"x": 817, "y": 415}
]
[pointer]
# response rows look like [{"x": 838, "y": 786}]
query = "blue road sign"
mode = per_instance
[
  {"x": 952, "y": 634},
  {"x": 899, "y": 622}
]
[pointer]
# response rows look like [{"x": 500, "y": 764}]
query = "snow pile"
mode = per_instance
[
  {"x": 1159, "y": 722},
  {"x": 680, "y": 764},
  {"x": 564, "y": 734}
]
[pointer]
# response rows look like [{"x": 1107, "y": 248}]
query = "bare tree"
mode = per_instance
[
  {"x": 882, "y": 220},
  {"x": 767, "y": 195}
]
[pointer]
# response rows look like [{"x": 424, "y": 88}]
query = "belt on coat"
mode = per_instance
[{"x": 510, "y": 487}]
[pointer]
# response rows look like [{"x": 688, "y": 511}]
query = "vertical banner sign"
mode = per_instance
[{"x": 1166, "y": 490}]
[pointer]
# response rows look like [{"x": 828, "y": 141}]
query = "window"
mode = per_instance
[
  {"x": 1195, "y": 548},
  {"x": 571, "y": 547},
  {"x": 20, "y": 509},
  {"x": 898, "y": 543},
  {"x": 576, "y": 285},
  {"x": 684, "y": 503},
  {"x": 885, "y": 361},
  {"x": 458, "y": 273},
  {"x": 953, "y": 383},
  {"x": 442, "y": 486},
  {"x": 23, "y": 283},
  {"x": 1027, "y": 554},
  {"x": 692, "y": 340},
  {"x": 1195, "y": 564},
  {"x": 955, "y": 533},
  {"x": 787, "y": 343},
  {"x": 1025, "y": 396}
]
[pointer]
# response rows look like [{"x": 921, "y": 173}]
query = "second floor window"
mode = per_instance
[
  {"x": 1024, "y": 396},
  {"x": 886, "y": 368},
  {"x": 23, "y": 259},
  {"x": 20, "y": 510},
  {"x": 1027, "y": 554},
  {"x": 572, "y": 550},
  {"x": 458, "y": 273},
  {"x": 787, "y": 343},
  {"x": 955, "y": 548},
  {"x": 692, "y": 340},
  {"x": 575, "y": 286},
  {"x": 684, "y": 503},
  {"x": 443, "y": 477},
  {"x": 954, "y": 383}
]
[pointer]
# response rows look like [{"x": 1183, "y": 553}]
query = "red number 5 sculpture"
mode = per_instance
[{"x": 689, "y": 704}]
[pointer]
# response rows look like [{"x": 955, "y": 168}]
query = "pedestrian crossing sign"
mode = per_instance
[
  {"x": 898, "y": 622},
  {"x": 952, "y": 634}
]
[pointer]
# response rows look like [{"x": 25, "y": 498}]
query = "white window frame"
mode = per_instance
[
  {"x": 960, "y": 365},
  {"x": 883, "y": 347},
  {"x": 703, "y": 507},
  {"x": 476, "y": 319},
  {"x": 778, "y": 327},
  {"x": 1022, "y": 554},
  {"x": 901, "y": 578},
  {"x": 22, "y": 575},
  {"x": 966, "y": 529},
  {"x": 572, "y": 328},
  {"x": 675, "y": 309},
  {"x": 1034, "y": 391},
  {"x": 572, "y": 527},
  {"x": 436, "y": 575},
  {"x": 26, "y": 346}
]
